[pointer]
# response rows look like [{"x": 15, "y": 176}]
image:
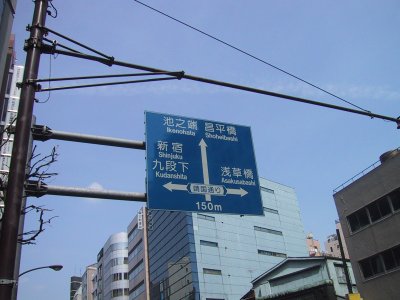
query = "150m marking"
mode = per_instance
[{"x": 208, "y": 206}]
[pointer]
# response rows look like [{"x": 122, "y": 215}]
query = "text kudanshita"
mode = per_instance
[{"x": 171, "y": 176}]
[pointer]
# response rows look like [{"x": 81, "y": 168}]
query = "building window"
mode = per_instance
[
  {"x": 118, "y": 261},
  {"x": 379, "y": 209},
  {"x": 117, "y": 293},
  {"x": 117, "y": 276},
  {"x": 271, "y": 253},
  {"x": 395, "y": 199},
  {"x": 205, "y": 217},
  {"x": 375, "y": 211},
  {"x": 136, "y": 249},
  {"x": 136, "y": 270},
  {"x": 137, "y": 290},
  {"x": 380, "y": 263},
  {"x": 358, "y": 220},
  {"x": 270, "y": 210},
  {"x": 208, "y": 243},
  {"x": 267, "y": 190},
  {"x": 212, "y": 271},
  {"x": 133, "y": 233},
  {"x": 263, "y": 229},
  {"x": 340, "y": 274},
  {"x": 371, "y": 266}
]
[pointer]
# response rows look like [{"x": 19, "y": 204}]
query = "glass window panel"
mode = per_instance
[
  {"x": 267, "y": 190},
  {"x": 384, "y": 206},
  {"x": 377, "y": 265},
  {"x": 353, "y": 222},
  {"x": 395, "y": 198},
  {"x": 270, "y": 210},
  {"x": 363, "y": 218},
  {"x": 271, "y": 253},
  {"x": 205, "y": 217},
  {"x": 374, "y": 212},
  {"x": 366, "y": 268},
  {"x": 396, "y": 254},
  {"x": 208, "y": 243},
  {"x": 212, "y": 271},
  {"x": 388, "y": 260}
]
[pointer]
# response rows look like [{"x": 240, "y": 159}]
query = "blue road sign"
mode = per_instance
[{"x": 201, "y": 166}]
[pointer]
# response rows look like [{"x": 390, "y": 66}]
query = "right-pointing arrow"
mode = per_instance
[{"x": 240, "y": 192}]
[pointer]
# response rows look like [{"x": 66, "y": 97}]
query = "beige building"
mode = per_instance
[
  {"x": 313, "y": 246},
  {"x": 87, "y": 287},
  {"x": 369, "y": 211}
]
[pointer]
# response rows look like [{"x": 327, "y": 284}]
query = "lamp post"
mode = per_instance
[
  {"x": 15, "y": 282},
  {"x": 53, "y": 267}
]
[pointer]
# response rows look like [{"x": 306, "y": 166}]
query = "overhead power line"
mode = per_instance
[
  {"x": 53, "y": 50},
  {"x": 250, "y": 55}
]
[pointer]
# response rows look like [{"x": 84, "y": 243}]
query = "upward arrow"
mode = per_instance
[{"x": 204, "y": 164}]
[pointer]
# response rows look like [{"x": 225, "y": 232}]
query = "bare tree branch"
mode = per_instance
[
  {"x": 39, "y": 169},
  {"x": 29, "y": 237}
]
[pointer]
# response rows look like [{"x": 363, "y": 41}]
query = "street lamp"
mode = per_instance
[
  {"x": 53, "y": 267},
  {"x": 15, "y": 282}
]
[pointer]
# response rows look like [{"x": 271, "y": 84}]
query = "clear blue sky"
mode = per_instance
[{"x": 349, "y": 48}]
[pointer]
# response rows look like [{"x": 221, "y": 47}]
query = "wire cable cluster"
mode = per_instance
[{"x": 250, "y": 55}]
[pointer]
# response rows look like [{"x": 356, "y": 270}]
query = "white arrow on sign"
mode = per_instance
[
  {"x": 240, "y": 192},
  {"x": 204, "y": 163},
  {"x": 172, "y": 186}
]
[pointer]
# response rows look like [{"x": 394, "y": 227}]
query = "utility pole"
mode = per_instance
[{"x": 19, "y": 158}]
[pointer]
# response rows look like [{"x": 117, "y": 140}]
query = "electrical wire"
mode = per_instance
[
  {"x": 54, "y": 9},
  {"x": 250, "y": 55},
  {"x": 49, "y": 81}
]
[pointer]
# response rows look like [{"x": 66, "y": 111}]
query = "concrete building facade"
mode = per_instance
[
  {"x": 214, "y": 256},
  {"x": 369, "y": 211},
  {"x": 87, "y": 282},
  {"x": 112, "y": 269},
  {"x": 7, "y": 12},
  {"x": 138, "y": 274}
]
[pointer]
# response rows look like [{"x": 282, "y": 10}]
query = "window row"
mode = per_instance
[
  {"x": 263, "y": 229},
  {"x": 137, "y": 290},
  {"x": 119, "y": 292},
  {"x": 381, "y": 263},
  {"x": 270, "y": 210},
  {"x": 136, "y": 270},
  {"x": 120, "y": 276},
  {"x": 267, "y": 190},
  {"x": 208, "y": 243},
  {"x": 212, "y": 271},
  {"x": 205, "y": 217},
  {"x": 375, "y": 211},
  {"x": 117, "y": 246},
  {"x": 133, "y": 233},
  {"x": 119, "y": 261},
  {"x": 136, "y": 249},
  {"x": 271, "y": 253}
]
